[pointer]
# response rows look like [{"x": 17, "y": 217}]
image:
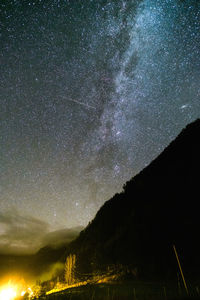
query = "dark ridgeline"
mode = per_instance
[{"x": 158, "y": 208}]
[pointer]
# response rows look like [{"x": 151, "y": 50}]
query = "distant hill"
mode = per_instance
[
  {"x": 30, "y": 266},
  {"x": 33, "y": 265},
  {"x": 157, "y": 208}
]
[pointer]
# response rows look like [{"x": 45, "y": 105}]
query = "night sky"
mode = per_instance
[{"x": 90, "y": 92}]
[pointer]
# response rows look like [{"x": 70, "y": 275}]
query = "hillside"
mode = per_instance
[{"x": 157, "y": 208}]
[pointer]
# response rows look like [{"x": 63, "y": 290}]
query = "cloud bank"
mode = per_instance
[{"x": 20, "y": 234}]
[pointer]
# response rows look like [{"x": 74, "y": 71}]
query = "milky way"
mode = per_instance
[{"x": 90, "y": 93}]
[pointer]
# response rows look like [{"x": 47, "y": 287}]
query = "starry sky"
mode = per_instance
[{"x": 90, "y": 92}]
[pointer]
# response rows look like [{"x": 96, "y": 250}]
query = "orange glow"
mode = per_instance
[
  {"x": 14, "y": 289},
  {"x": 8, "y": 293}
]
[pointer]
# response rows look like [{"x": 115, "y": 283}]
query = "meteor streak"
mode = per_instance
[{"x": 81, "y": 103}]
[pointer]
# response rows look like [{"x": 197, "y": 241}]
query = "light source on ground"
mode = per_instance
[
  {"x": 8, "y": 293},
  {"x": 23, "y": 293}
]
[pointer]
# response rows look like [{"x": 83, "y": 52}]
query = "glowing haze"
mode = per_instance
[{"x": 90, "y": 92}]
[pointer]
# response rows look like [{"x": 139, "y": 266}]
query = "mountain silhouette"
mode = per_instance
[
  {"x": 157, "y": 209},
  {"x": 136, "y": 229}
]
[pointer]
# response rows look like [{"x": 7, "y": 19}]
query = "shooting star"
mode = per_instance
[{"x": 81, "y": 103}]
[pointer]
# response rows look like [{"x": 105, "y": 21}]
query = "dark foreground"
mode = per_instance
[{"x": 125, "y": 291}]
